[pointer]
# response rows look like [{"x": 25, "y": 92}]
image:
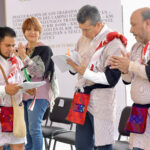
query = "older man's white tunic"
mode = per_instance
[{"x": 102, "y": 101}]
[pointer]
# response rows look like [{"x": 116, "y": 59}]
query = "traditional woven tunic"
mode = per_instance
[
  {"x": 140, "y": 93},
  {"x": 8, "y": 138},
  {"x": 102, "y": 101}
]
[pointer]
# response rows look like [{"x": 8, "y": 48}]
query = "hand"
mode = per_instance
[
  {"x": 80, "y": 69},
  {"x": 121, "y": 63},
  {"x": 12, "y": 89},
  {"x": 21, "y": 51},
  {"x": 16, "y": 51},
  {"x": 31, "y": 91}
]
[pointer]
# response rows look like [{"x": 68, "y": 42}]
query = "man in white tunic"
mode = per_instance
[
  {"x": 98, "y": 129},
  {"x": 136, "y": 71},
  {"x": 12, "y": 68}
]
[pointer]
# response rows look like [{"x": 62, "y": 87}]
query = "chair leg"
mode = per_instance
[
  {"x": 54, "y": 145},
  {"x": 119, "y": 137},
  {"x": 71, "y": 147},
  {"x": 46, "y": 144},
  {"x": 49, "y": 144},
  {"x": 95, "y": 148}
]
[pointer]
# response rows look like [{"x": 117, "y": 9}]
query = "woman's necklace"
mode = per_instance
[{"x": 30, "y": 51}]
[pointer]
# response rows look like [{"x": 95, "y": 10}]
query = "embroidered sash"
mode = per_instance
[
  {"x": 146, "y": 54},
  {"x": 109, "y": 37},
  {"x": 13, "y": 74}
]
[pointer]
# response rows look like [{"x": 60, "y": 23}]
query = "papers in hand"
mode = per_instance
[
  {"x": 30, "y": 85},
  {"x": 60, "y": 61}
]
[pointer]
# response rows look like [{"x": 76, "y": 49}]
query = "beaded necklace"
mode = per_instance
[{"x": 30, "y": 51}]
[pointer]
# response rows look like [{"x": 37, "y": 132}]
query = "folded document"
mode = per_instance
[
  {"x": 30, "y": 85},
  {"x": 60, "y": 61}
]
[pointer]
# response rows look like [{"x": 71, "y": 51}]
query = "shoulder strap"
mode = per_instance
[
  {"x": 3, "y": 72},
  {"x": 88, "y": 89}
]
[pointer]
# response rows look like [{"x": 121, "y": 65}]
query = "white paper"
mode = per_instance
[
  {"x": 75, "y": 56},
  {"x": 30, "y": 85},
  {"x": 60, "y": 61},
  {"x": 61, "y": 103}
]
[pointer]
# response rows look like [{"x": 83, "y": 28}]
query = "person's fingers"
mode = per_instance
[
  {"x": 114, "y": 61},
  {"x": 116, "y": 57},
  {"x": 113, "y": 67},
  {"x": 68, "y": 60},
  {"x": 128, "y": 54},
  {"x": 123, "y": 53},
  {"x": 111, "y": 63},
  {"x": 20, "y": 87}
]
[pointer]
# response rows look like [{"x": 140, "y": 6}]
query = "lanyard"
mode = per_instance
[{"x": 26, "y": 75}]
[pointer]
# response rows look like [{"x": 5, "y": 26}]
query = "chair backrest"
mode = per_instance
[
  {"x": 46, "y": 114},
  {"x": 123, "y": 119},
  {"x": 60, "y": 110}
]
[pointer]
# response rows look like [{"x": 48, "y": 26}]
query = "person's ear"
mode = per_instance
[
  {"x": 99, "y": 25},
  {"x": 147, "y": 24}
]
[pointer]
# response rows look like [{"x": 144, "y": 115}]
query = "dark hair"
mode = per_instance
[
  {"x": 88, "y": 12},
  {"x": 6, "y": 31},
  {"x": 146, "y": 14}
]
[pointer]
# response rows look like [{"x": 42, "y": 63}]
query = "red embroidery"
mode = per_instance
[
  {"x": 144, "y": 53},
  {"x": 92, "y": 67},
  {"x": 15, "y": 66},
  {"x": 145, "y": 48},
  {"x": 110, "y": 36}
]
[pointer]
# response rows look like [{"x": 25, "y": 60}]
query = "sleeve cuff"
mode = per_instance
[
  {"x": 2, "y": 91},
  {"x": 98, "y": 77},
  {"x": 27, "y": 61},
  {"x": 127, "y": 77}
]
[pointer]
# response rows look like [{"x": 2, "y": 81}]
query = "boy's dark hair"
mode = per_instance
[{"x": 6, "y": 31}]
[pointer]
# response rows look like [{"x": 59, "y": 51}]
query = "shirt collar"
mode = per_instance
[{"x": 99, "y": 34}]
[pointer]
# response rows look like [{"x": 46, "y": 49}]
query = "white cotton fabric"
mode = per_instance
[
  {"x": 102, "y": 101},
  {"x": 140, "y": 94},
  {"x": 8, "y": 138}
]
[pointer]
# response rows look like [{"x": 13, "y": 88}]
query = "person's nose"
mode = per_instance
[
  {"x": 33, "y": 31},
  {"x": 11, "y": 48},
  {"x": 83, "y": 33},
  {"x": 131, "y": 30}
]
